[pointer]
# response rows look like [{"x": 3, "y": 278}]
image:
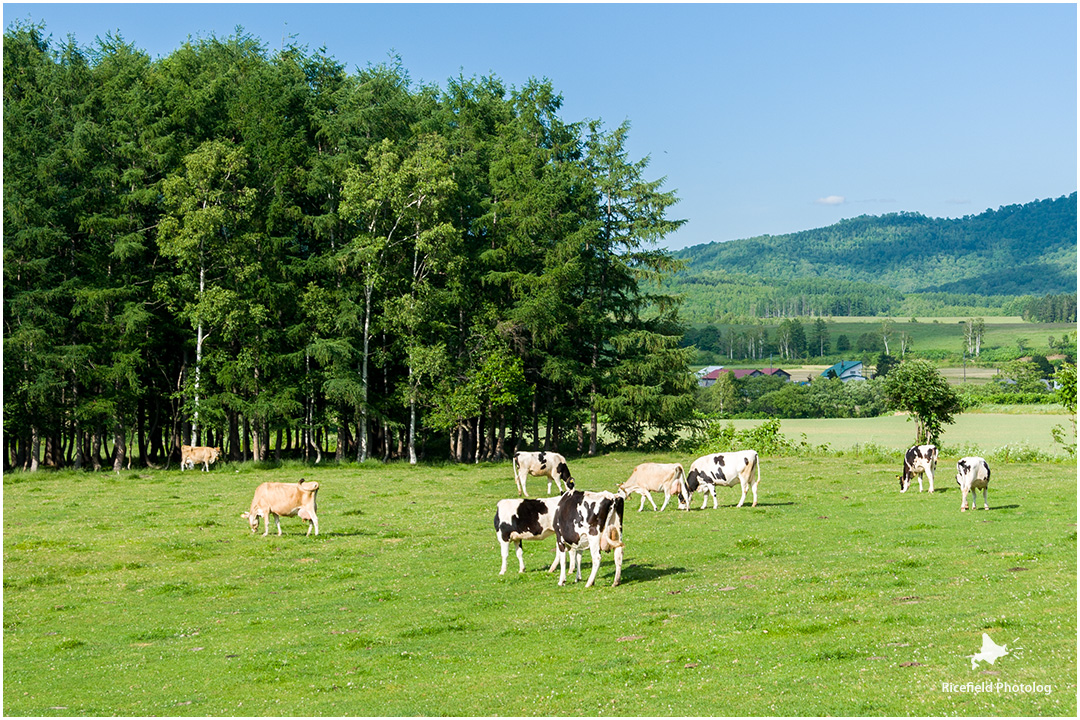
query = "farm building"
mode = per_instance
[
  {"x": 707, "y": 375},
  {"x": 709, "y": 378},
  {"x": 777, "y": 372},
  {"x": 846, "y": 370}
]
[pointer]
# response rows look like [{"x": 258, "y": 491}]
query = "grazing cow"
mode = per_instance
[
  {"x": 972, "y": 474},
  {"x": 525, "y": 519},
  {"x": 723, "y": 469},
  {"x": 283, "y": 499},
  {"x": 648, "y": 478},
  {"x": 191, "y": 454},
  {"x": 592, "y": 518},
  {"x": 918, "y": 460},
  {"x": 538, "y": 464}
]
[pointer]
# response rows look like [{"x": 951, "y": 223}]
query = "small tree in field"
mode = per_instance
[
  {"x": 1066, "y": 395},
  {"x": 917, "y": 387}
]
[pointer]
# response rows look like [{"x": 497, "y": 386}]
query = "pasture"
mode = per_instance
[
  {"x": 932, "y": 337},
  {"x": 976, "y": 432},
  {"x": 146, "y": 594}
]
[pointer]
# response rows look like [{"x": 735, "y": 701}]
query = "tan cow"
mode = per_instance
[
  {"x": 648, "y": 478},
  {"x": 283, "y": 499},
  {"x": 191, "y": 454}
]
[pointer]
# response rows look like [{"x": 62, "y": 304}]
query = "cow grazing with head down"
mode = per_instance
[
  {"x": 919, "y": 460},
  {"x": 538, "y": 464},
  {"x": 593, "y": 519},
  {"x": 972, "y": 474},
  {"x": 191, "y": 454},
  {"x": 724, "y": 469},
  {"x": 520, "y": 519},
  {"x": 648, "y": 478},
  {"x": 283, "y": 499}
]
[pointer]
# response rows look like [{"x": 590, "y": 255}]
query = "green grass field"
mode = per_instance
[{"x": 146, "y": 594}]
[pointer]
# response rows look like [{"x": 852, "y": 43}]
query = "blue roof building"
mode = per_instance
[{"x": 846, "y": 370}]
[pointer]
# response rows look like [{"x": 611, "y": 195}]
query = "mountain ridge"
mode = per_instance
[{"x": 1022, "y": 249}]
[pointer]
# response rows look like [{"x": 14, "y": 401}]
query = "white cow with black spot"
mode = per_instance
[
  {"x": 539, "y": 464},
  {"x": 724, "y": 469},
  {"x": 972, "y": 474}
]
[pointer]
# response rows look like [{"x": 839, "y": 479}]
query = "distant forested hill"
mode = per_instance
[
  {"x": 897, "y": 264},
  {"x": 1027, "y": 249}
]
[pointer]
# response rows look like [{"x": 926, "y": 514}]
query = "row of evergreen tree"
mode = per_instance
[{"x": 262, "y": 251}]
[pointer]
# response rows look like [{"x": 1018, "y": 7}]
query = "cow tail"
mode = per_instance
[
  {"x": 680, "y": 475},
  {"x": 613, "y": 532}
]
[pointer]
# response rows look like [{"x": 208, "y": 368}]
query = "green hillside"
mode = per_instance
[{"x": 1027, "y": 249}]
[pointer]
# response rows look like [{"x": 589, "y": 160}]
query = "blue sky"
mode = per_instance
[{"x": 765, "y": 119}]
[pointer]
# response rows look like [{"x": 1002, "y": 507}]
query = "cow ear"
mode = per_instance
[{"x": 245, "y": 514}]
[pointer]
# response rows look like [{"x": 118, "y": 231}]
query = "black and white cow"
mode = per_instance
[
  {"x": 539, "y": 464},
  {"x": 917, "y": 461},
  {"x": 972, "y": 474},
  {"x": 593, "y": 519},
  {"x": 724, "y": 469},
  {"x": 525, "y": 519}
]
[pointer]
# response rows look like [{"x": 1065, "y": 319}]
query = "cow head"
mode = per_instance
[
  {"x": 905, "y": 481},
  {"x": 253, "y": 519}
]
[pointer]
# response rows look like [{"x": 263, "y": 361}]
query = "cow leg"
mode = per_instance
[
  {"x": 277, "y": 523},
  {"x": 712, "y": 491},
  {"x": 594, "y": 553},
  {"x": 930, "y": 477},
  {"x": 704, "y": 496},
  {"x": 754, "y": 489},
  {"x": 743, "y": 498},
  {"x": 986, "y": 505},
  {"x": 963, "y": 498},
  {"x": 504, "y": 550},
  {"x": 520, "y": 557},
  {"x": 919, "y": 478},
  {"x": 555, "y": 562},
  {"x": 266, "y": 524},
  {"x": 560, "y": 558},
  {"x": 549, "y": 485},
  {"x": 667, "y": 499}
]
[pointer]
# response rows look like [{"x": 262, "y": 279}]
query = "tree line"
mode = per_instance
[{"x": 262, "y": 251}]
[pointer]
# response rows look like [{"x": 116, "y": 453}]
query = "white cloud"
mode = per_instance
[{"x": 831, "y": 200}]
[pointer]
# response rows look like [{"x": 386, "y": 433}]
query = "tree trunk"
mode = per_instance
[
  {"x": 35, "y": 448},
  {"x": 362, "y": 449},
  {"x": 119, "y": 446}
]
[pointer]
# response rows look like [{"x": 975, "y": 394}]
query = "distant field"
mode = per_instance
[
  {"x": 985, "y": 431},
  {"x": 997, "y": 320},
  {"x": 941, "y": 334}
]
